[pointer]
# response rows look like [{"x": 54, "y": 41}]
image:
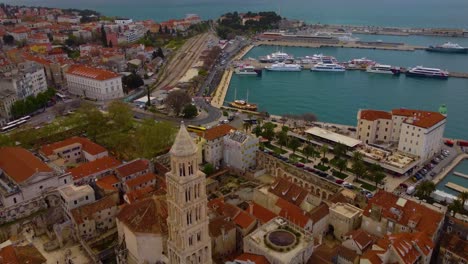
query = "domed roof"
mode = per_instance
[{"x": 183, "y": 145}]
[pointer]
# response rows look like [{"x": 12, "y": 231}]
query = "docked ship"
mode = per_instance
[
  {"x": 248, "y": 70},
  {"x": 276, "y": 57},
  {"x": 284, "y": 67},
  {"x": 328, "y": 67},
  {"x": 317, "y": 58},
  {"x": 361, "y": 63},
  {"x": 448, "y": 47},
  {"x": 243, "y": 105},
  {"x": 384, "y": 69},
  {"x": 420, "y": 71}
]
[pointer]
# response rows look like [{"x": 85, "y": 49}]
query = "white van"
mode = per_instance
[{"x": 410, "y": 190}]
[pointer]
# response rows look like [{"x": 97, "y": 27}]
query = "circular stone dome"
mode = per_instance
[{"x": 281, "y": 238}]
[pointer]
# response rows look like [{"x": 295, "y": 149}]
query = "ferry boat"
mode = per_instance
[
  {"x": 384, "y": 69},
  {"x": 248, "y": 70},
  {"x": 244, "y": 105},
  {"x": 420, "y": 71},
  {"x": 448, "y": 47},
  {"x": 284, "y": 67},
  {"x": 318, "y": 58},
  {"x": 361, "y": 63},
  {"x": 328, "y": 67},
  {"x": 276, "y": 57}
]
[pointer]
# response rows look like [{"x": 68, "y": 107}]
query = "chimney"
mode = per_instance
[
  {"x": 223, "y": 231},
  {"x": 250, "y": 208}
]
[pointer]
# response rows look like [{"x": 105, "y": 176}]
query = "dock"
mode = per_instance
[
  {"x": 221, "y": 90},
  {"x": 459, "y": 174},
  {"x": 456, "y": 187}
]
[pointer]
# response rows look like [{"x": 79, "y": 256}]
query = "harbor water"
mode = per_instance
[
  {"x": 337, "y": 97},
  {"x": 462, "y": 167}
]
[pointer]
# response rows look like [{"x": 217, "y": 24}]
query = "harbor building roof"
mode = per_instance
[
  {"x": 372, "y": 115},
  {"x": 216, "y": 132},
  {"x": 419, "y": 118},
  {"x": 334, "y": 137},
  {"x": 183, "y": 145}
]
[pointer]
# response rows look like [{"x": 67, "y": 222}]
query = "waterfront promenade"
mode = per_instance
[
  {"x": 355, "y": 45},
  {"x": 221, "y": 90},
  {"x": 449, "y": 168}
]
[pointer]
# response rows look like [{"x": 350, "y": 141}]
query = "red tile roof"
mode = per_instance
[
  {"x": 452, "y": 243},
  {"x": 362, "y": 238},
  {"x": 88, "y": 210},
  {"x": 424, "y": 119},
  {"x": 93, "y": 167},
  {"x": 319, "y": 212},
  {"x": 220, "y": 223},
  {"x": 410, "y": 211},
  {"x": 293, "y": 213},
  {"x": 108, "y": 182},
  {"x": 132, "y": 167},
  {"x": 216, "y": 132},
  {"x": 21, "y": 255},
  {"x": 86, "y": 145},
  {"x": 145, "y": 216},
  {"x": 289, "y": 191},
  {"x": 257, "y": 259},
  {"x": 91, "y": 73},
  {"x": 139, "y": 194},
  {"x": 261, "y": 213},
  {"x": 140, "y": 180},
  {"x": 21, "y": 164},
  {"x": 244, "y": 220},
  {"x": 372, "y": 115},
  {"x": 408, "y": 246}
]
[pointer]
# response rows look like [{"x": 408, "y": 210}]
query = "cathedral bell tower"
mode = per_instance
[{"x": 189, "y": 241}]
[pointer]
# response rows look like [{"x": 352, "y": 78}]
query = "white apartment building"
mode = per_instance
[
  {"x": 7, "y": 98},
  {"x": 94, "y": 83},
  {"x": 123, "y": 21},
  {"x": 416, "y": 132},
  {"x": 75, "y": 196},
  {"x": 26, "y": 183},
  {"x": 213, "y": 144},
  {"x": 29, "y": 79},
  {"x": 240, "y": 150},
  {"x": 133, "y": 34}
]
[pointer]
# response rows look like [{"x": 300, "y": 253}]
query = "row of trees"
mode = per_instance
[
  {"x": 373, "y": 172},
  {"x": 231, "y": 24},
  {"x": 32, "y": 103}
]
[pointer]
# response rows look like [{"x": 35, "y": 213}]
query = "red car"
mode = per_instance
[{"x": 339, "y": 181}]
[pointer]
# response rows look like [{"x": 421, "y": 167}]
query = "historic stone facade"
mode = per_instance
[
  {"x": 189, "y": 241},
  {"x": 308, "y": 180}
]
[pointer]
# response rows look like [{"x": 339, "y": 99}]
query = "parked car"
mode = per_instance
[
  {"x": 339, "y": 181},
  {"x": 299, "y": 165},
  {"x": 403, "y": 185}
]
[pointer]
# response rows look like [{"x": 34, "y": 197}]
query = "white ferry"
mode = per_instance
[
  {"x": 328, "y": 67},
  {"x": 420, "y": 71},
  {"x": 248, "y": 70},
  {"x": 384, "y": 69},
  {"x": 276, "y": 57},
  {"x": 284, "y": 67}
]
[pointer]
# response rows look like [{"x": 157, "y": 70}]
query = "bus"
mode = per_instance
[
  {"x": 10, "y": 127},
  {"x": 192, "y": 128},
  {"x": 61, "y": 96},
  {"x": 18, "y": 120}
]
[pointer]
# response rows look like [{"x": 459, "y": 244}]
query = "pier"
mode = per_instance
[
  {"x": 459, "y": 174},
  {"x": 456, "y": 187},
  {"x": 221, "y": 90}
]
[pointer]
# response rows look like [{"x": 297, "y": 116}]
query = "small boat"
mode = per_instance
[
  {"x": 384, "y": 69},
  {"x": 328, "y": 67},
  {"x": 248, "y": 70},
  {"x": 420, "y": 71},
  {"x": 284, "y": 67},
  {"x": 448, "y": 47},
  {"x": 244, "y": 105}
]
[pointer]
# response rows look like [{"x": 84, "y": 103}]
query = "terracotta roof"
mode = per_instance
[
  {"x": 91, "y": 73},
  {"x": 362, "y": 238},
  {"x": 257, "y": 259},
  {"x": 346, "y": 253},
  {"x": 140, "y": 180},
  {"x": 261, "y": 213},
  {"x": 244, "y": 220},
  {"x": 319, "y": 212},
  {"x": 424, "y": 119},
  {"x": 145, "y": 216},
  {"x": 86, "y": 145},
  {"x": 372, "y": 256},
  {"x": 93, "y": 167},
  {"x": 220, "y": 223},
  {"x": 21, "y": 255},
  {"x": 293, "y": 213},
  {"x": 87, "y": 211},
  {"x": 452, "y": 243},
  {"x": 132, "y": 167},
  {"x": 372, "y": 115},
  {"x": 289, "y": 191},
  {"x": 216, "y": 132},
  {"x": 140, "y": 194},
  {"x": 408, "y": 246},
  {"x": 388, "y": 202},
  {"x": 21, "y": 164},
  {"x": 108, "y": 182}
]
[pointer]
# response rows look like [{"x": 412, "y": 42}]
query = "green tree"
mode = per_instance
[
  {"x": 103, "y": 36},
  {"x": 294, "y": 144},
  {"x": 257, "y": 130},
  {"x": 282, "y": 139},
  {"x": 190, "y": 111},
  {"x": 177, "y": 100},
  {"x": 358, "y": 167},
  {"x": 121, "y": 115},
  {"x": 456, "y": 207},
  {"x": 268, "y": 130},
  {"x": 309, "y": 151},
  {"x": 96, "y": 122},
  {"x": 208, "y": 169},
  {"x": 339, "y": 150},
  {"x": 324, "y": 150},
  {"x": 247, "y": 126},
  {"x": 463, "y": 196},
  {"x": 425, "y": 188},
  {"x": 152, "y": 137},
  {"x": 8, "y": 39},
  {"x": 5, "y": 141},
  {"x": 341, "y": 164},
  {"x": 132, "y": 81}
]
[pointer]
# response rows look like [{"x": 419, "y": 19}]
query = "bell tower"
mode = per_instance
[{"x": 189, "y": 241}]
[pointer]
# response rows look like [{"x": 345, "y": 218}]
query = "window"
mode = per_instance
[
  {"x": 75, "y": 202},
  {"x": 65, "y": 181},
  {"x": 14, "y": 199}
]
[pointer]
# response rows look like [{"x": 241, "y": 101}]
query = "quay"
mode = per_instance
[
  {"x": 456, "y": 187},
  {"x": 221, "y": 90},
  {"x": 460, "y": 174}
]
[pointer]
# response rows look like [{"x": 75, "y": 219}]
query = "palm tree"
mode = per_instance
[
  {"x": 324, "y": 150},
  {"x": 463, "y": 196},
  {"x": 425, "y": 189},
  {"x": 294, "y": 143},
  {"x": 339, "y": 150},
  {"x": 247, "y": 126},
  {"x": 341, "y": 164},
  {"x": 282, "y": 139},
  {"x": 456, "y": 207},
  {"x": 309, "y": 150}
]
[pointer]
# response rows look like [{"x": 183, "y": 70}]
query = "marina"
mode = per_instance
[
  {"x": 459, "y": 174},
  {"x": 449, "y": 180},
  {"x": 456, "y": 187}
]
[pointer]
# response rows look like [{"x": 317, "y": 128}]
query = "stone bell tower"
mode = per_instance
[{"x": 189, "y": 241}]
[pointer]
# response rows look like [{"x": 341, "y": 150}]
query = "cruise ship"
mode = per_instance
[
  {"x": 276, "y": 57},
  {"x": 448, "y": 47},
  {"x": 420, "y": 71},
  {"x": 328, "y": 67},
  {"x": 248, "y": 70},
  {"x": 384, "y": 69},
  {"x": 284, "y": 67}
]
